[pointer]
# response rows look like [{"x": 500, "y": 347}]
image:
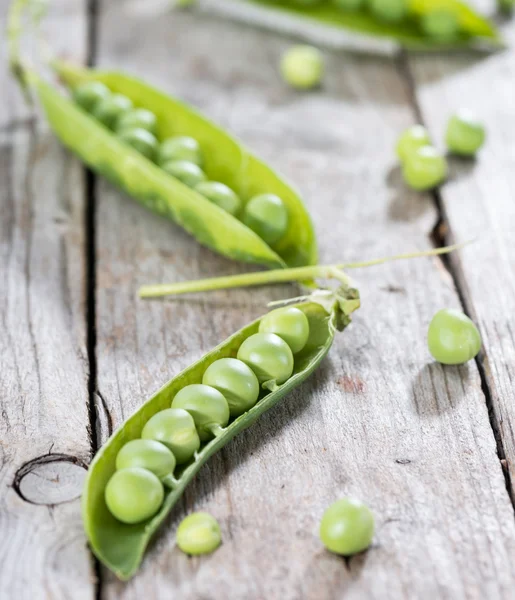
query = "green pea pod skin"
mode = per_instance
[
  {"x": 474, "y": 27},
  {"x": 121, "y": 547},
  {"x": 226, "y": 160}
]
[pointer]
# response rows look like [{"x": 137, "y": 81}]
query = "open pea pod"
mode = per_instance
[
  {"x": 120, "y": 546},
  {"x": 226, "y": 160},
  {"x": 472, "y": 28}
]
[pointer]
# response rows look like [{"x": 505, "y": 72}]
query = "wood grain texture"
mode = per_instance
[
  {"x": 478, "y": 203},
  {"x": 379, "y": 420},
  {"x": 44, "y": 442}
]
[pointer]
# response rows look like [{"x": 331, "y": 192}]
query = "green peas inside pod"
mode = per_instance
[
  {"x": 139, "y": 118},
  {"x": 425, "y": 169},
  {"x": 268, "y": 356},
  {"x": 236, "y": 381},
  {"x": 221, "y": 195},
  {"x": 141, "y": 140},
  {"x": 180, "y": 148},
  {"x": 411, "y": 140},
  {"x": 267, "y": 216},
  {"x": 88, "y": 94},
  {"x": 147, "y": 454},
  {"x": 206, "y": 405},
  {"x": 390, "y": 11},
  {"x": 174, "y": 428},
  {"x": 351, "y": 5},
  {"x": 302, "y": 67},
  {"x": 441, "y": 25},
  {"x": 290, "y": 324},
  {"x": 186, "y": 172},
  {"x": 453, "y": 339},
  {"x": 134, "y": 495},
  {"x": 198, "y": 533},
  {"x": 109, "y": 110},
  {"x": 465, "y": 134},
  {"x": 347, "y": 527}
]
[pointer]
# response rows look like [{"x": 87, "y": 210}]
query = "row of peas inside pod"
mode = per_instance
[
  {"x": 199, "y": 412},
  {"x": 423, "y": 166},
  {"x": 441, "y": 23},
  {"x": 181, "y": 157}
]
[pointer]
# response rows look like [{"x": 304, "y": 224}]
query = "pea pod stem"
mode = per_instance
[
  {"x": 170, "y": 482},
  {"x": 280, "y": 275}
]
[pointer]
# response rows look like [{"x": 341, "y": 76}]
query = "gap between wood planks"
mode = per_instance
[
  {"x": 92, "y": 7},
  {"x": 441, "y": 235}
]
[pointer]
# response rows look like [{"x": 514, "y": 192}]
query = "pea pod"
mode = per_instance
[
  {"x": 412, "y": 32},
  {"x": 226, "y": 160},
  {"x": 121, "y": 546}
]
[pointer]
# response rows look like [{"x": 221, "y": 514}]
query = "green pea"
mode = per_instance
[
  {"x": 236, "y": 381},
  {"x": 141, "y": 140},
  {"x": 147, "y": 454},
  {"x": 198, "y": 533},
  {"x": 453, "y": 339},
  {"x": 268, "y": 356},
  {"x": 302, "y": 67},
  {"x": 391, "y": 11},
  {"x": 180, "y": 148},
  {"x": 89, "y": 93},
  {"x": 465, "y": 134},
  {"x": 187, "y": 172},
  {"x": 347, "y": 527},
  {"x": 221, "y": 195},
  {"x": 425, "y": 169},
  {"x": 109, "y": 110},
  {"x": 267, "y": 216},
  {"x": 206, "y": 405},
  {"x": 441, "y": 25},
  {"x": 174, "y": 428},
  {"x": 411, "y": 140},
  {"x": 134, "y": 495},
  {"x": 290, "y": 324},
  {"x": 350, "y": 5},
  {"x": 139, "y": 118}
]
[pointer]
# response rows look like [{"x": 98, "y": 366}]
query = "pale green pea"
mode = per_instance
[
  {"x": 147, "y": 454},
  {"x": 268, "y": 356},
  {"x": 206, "y": 405},
  {"x": 425, "y": 169},
  {"x": 465, "y": 134},
  {"x": 267, "y": 216},
  {"x": 181, "y": 148},
  {"x": 141, "y": 140},
  {"x": 290, "y": 324},
  {"x": 236, "y": 381},
  {"x": 411, "y": 140},
  {"x": 453, "y": 339},
  {"x": 347, "y": 527},
  {"x": 134, "y": 495},
  {"x": 391, "y": 11},
  {"x": 221, "y": 195},
  {"x": 174, "y": 428},
  {"x": 89, "y": 93},
  {"x": 109, "y": 110},
  {"x": 187, "y": 172},
  {"x": 441, "y": 24},
  {"x": 350, "y": 5},
  {"x": 302, "y": 67},
  {"x": 198, "y": 533},
  {"x": 139, "y": 118}
]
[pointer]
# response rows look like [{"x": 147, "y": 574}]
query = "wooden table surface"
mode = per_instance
[{"x": 430, "y": 449}]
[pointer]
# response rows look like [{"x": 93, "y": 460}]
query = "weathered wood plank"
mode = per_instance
[
  {"x": 44, "y": 445},
  {"x": 379, "y": 420},
  {"x": 478, "y": 203}
]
